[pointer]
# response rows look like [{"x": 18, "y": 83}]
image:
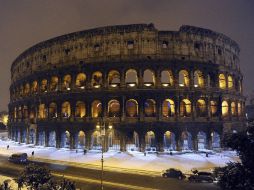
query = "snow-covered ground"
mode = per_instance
[{"x": 128, "y": 160}]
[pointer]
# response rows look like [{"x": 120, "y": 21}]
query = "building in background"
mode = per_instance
[{"x": 149, "y": 89}]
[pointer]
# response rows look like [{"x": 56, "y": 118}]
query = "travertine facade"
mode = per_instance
[{"x": 155, "y": 89}]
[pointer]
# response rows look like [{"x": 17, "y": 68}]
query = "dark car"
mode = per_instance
[
  {"x": 202, "y": 177},
  {"x": 19, "y": 158},
  {"x": 173, "y": 173}
]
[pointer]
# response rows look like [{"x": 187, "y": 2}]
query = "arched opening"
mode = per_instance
[
  {"x": 230, "y": 82},
  {"x": 149, "y": 78},
  {"x": 52, "y": 139},
  {"x": 186, "y": 141},
  {"x": 168, "y": 108},
  {"x": 222, "y": 81},
  {"x": 199, "y": 79},
  {"x": 65, "y": 139},
  {"x": 32, "y": 136},
  {"x": 97, "y": 79},
  {"x": 150, "y": 141},
  {"x": 96, "y": 109},
  {"x": 113, "y": 141},
  {"x": 185, "y": 108},
  {"x": 184, "y": 80},
  {"x": 41, "y": 138},
  {"x": 96, "y": 141},
  {"x": 239, "y": 109},
  {"x": 132, "y": 108},
  {"x": 52, "y": 110},
  {"x": 113, "y": 108},
  {"x": 81, "y": 81},
  {"x": 133, "y": 142},
  {"x": 27, "y": 89},
  {"x": 66, "y": 110},
  {"x": 233, "y": 109},
  {"x": 54, "y": 83},
  {"x": 201, "y": 140},
  {"x": 23, "y": 139},
  {"x": 44, "y": 85},
  {"x": 42, "y": 111},
  {"x": 80, "y": 110},
  {"x": 66, "y": 83},
  {"x": 224, "y": 108},
  {"x": 169, "y": 141},
  {"x": 201, "y": 108},
  {"x": 150, "y": 108},
  {"x": 215, "y": 140},
  {"x": 167, "y": 78},
  {"x": 34, "y": 88},
  {"x": 114, "y": 78},
  {"x": 25, "y": 112},
  {"x": 32, "y": 114},
  {"x": 213, "y": 108},
  {"x": 80, "y": 140},
  {"x": 131, "y": 78}
]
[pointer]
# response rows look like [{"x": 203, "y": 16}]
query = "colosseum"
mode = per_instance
[{"x": 138, "y": 87}]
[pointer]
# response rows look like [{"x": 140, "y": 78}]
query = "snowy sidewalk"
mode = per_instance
[{"x": 123, "y": 161}]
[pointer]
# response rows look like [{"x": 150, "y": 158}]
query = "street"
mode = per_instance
[{"x": 86, "y": 178}]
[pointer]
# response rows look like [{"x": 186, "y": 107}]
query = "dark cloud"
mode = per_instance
[{"x": 24, "y": 23}]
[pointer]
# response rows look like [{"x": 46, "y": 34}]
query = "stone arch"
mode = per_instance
[
  {"x": 80, "y": 110},
  {"x": 96, "y": 141},
  {"x": 202, "y": 142},
  {"x": 167, "y": 78},
  {"x": 54, "y": 83},
  {"x": 184, "y": 79},
  {"x": 168, "y": 108},
  {"x": 133, "y": 142},
  {"x": 169, "y": 142},
  {"x": 96, "y": 109},
  {"x": 114, "y": 108},
  {"x": 131, "y": 78},
  {"x": 23, "y": 139},
  {"x": 224, "y": 108},
  {"x": 97, "y": 79},
  {"x": 34, "y": 87},
  {"x": 215, "y": 140},
  {"x": 66, "y": 85},
  {"x": 199, "y": 79},
  {"x": 52, "y": 139},
  {"x": 80, "y": 140},
  {"x": 44, "y": 85},
  {"x": 42, "y": 111},
  {"x": 53, "y": 110},
  {"x": 150, "y": 108},
  {"x": 186, "y": 139},
  {"x": 150, "y": 140},
  {"x": 239, "y": 108},
  {"x": 213, "y": 108},
  {"x": 149, "y": 78},
  {"x": 113, "y": 140},
  {"x": 65, "y": 139},
  {"x": 81, "y": 81},
  {"x": 66, "y": 109},
  {"x": 222, "y": 81},
  {"x": 114, "y": 78},
  {"x": 41, "y": 138},
  {"x": 32, "y": 136},
  {"x": 201, "y": 108},
  {"x": 233, "y": 109},
  {"x": 131, "y": 108},
  {"x": 185, "y": 108},
  {"x": 27, "y": 89},
  {"x": 230, "y": 82}
]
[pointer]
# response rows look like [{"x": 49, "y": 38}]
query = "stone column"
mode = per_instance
[
  {"x": 122, "y": 143},
  {"x": 46, "y": 138},
  {"x": 178, "y": 142},
  {"x": 140, "y": 78},
  {"x": 123, "y": 104},
  {"x": 58, "y": 139}
]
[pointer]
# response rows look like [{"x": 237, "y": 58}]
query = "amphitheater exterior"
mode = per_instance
[{"x": 141, "y": 87}]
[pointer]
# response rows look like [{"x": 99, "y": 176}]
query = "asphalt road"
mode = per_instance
[{"x": 87, "y": 179}]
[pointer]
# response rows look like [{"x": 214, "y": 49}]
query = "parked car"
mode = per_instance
[
  {"x": 202, "y": 177},
  {"x": 173, "y": 173},
  {"x": 151, "y": 150},
  {"x": 19, "y": 158}
]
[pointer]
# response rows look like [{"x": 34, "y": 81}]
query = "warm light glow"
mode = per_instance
[
  {"x": 97, "y": 86},
  {"x": 165, "y": 84},
  {"x": 131, "y": 84},
  {"x": 148, "y": 84},
  {"x": 181, "y": 84},
  {"x": 68, "y": 89},
  {"x": 5, "y": 119},
  {"x": 82, "y": 87},
  {"x": 113, "y": 85},
  {"x": 110, "y": 126},
  {"x": 97, "y": 126},
  {"x": 195, "y": 85}
]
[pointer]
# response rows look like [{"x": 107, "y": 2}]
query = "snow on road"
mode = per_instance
[{"x": 127, "y": 160}]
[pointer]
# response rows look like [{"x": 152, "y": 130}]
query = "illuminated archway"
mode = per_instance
[
  {"x": 222, "y": 81},
  {"x": 168, "y": 108},
  {"x": 96, "y": 141},
  {"x": 54, "y": 83},
  {"x": 66, "y": 110},
  {"x": 96, "y": 109},
  {"x": 184, "y": 80},
  {"x": 52, "y": 110},
  {"x": 239, "y": 109},
  {"x": 113, "y": 108},
  {"x": 224, "y": 108},
  {"x": 80, "y": 110},
  {"x": 150, "y": 108},
  {"x": 42, "y": 111},
  {"x": 34, "y": 88},
  {"x": 44, "y": 85},
  {"x": 132, "y": 108},
  {"x": 201, "y": 108},
  {"x": 81, "y": 81},
  {"x": 185, "y": 108},
  {"x": 114, "y": 78},
  {"x": 27, "y": 89},
  {"x": 167, "y": 78},
  {"x": 80, "y": 140},
  {"x": 150, "y": 139},
  {"x": 169, "y": 141},
  {"x": 213, "y": 108},
  {"x": 233, "y": 109},
  {"x": 201, "y": 137},
  {"x": 65, "y": 139},
  {"x": 97, "y": 79},
  {"x": 186, "y": 140},
  {"x": 66, "y": 82},
  {"x": 215, "y": 140},
  {"x": 230, "y": 82},
  {"x": 199, "y": 79},
  {"x": 149, "y": 78},
  {"x": 131, "y": 78}
]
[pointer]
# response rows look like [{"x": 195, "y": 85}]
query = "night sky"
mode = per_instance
[{"x": 24, "y": 23}]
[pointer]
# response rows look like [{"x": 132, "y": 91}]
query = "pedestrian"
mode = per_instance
[
  {"x": 144, "y": 153},
  {"x": 170, "y": 153},
  {"x": 33, "y": 153},
  {"x": 85, "y": 151},
  {"x": 8, "y": 147},
  {"x": 206, "y": 154}
]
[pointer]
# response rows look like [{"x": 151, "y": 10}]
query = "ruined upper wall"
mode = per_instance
[{"x": 128, "y": 43}]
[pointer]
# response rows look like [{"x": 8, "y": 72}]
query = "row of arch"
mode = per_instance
[
  {"x": 132, "y": 109},
  {"x": 81, "y": 140},
  {"x": 68, "y": 82}
]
